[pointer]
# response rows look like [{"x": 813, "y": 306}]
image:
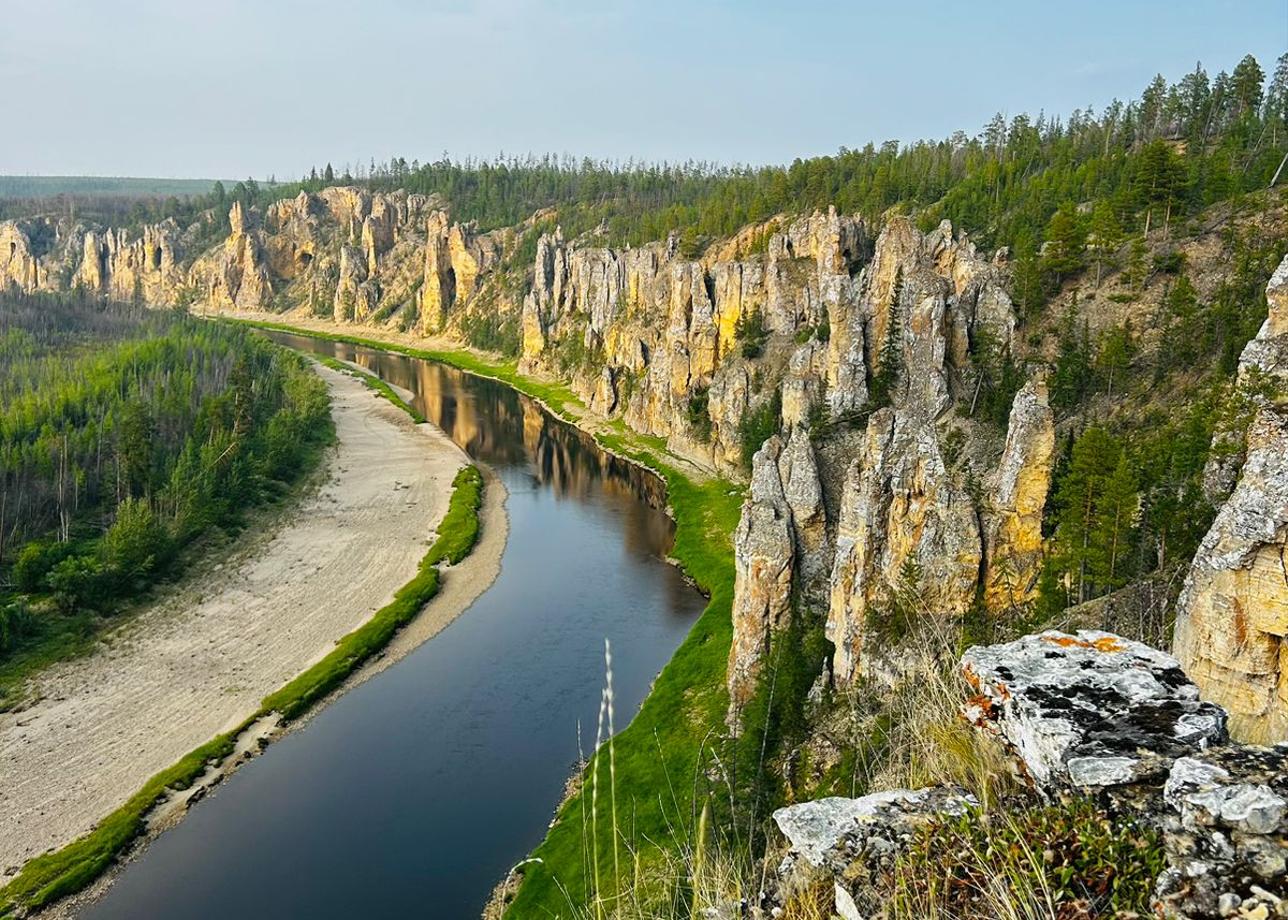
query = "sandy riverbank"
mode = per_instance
[{"x": 200, "y": 660}]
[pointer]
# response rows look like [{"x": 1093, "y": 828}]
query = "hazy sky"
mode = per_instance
[{"x": 229, "y": 88}]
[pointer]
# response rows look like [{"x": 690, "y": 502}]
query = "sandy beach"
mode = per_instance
[{"x": 199, "y": 660}]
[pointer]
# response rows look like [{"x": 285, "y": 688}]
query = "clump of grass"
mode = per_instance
[
  {"x": 375, "y": 384},
  {"x": 459, "y": 530},
  {"x": 1059, "y": 862}
]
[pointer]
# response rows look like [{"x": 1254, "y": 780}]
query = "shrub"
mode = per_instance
[
  {"x": 758, "y": 425},
  {"x": 135, "y": 544},
  {"x": 751, "y": 332},
  {"x": 35, "y": 560},
  {"x": 699, "y": 415},
  {"x": 76, "y": 581},
  {"x": 1065, "y": 860},
  {"x": 16, "y": 621}
]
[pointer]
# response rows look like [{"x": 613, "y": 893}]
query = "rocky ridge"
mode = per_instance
[{"x": 1232, "y": 616}]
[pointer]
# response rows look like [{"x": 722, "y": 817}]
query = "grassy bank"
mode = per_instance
[
  {"x": 70, "y": 869},
  {"x": 456, "y": 537},
  {"x": 372, "y": 382},
  {"x": 657, "y": 756},
  {"x": 53, "y": 875}
]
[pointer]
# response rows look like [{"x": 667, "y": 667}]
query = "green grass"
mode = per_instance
[
  {"x": 658, "y": 754},
  {"x": 460, "y": 528},
  {"x": 68, "y": 870},
  {"x": 374, "y": 383}
]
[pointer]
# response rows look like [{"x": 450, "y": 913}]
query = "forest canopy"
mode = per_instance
[{"x": 125, "y": 434}]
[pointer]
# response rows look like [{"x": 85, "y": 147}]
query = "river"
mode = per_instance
[{"x": 412, "y": 794}]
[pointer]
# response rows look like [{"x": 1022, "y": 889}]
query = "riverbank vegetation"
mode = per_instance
[
  {"x": 126, "y": 436},
  {"x": 657, "y": 756}
]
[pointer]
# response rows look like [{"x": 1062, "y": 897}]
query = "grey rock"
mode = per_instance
[{"x": 1089, "y": 710}]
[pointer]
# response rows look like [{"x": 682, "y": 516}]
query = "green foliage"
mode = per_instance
[
  {"x": 1097, "y": 503},
  {"x": 750, "y": 331},
  {"x": 758, "y": 424},
  {"x": 1071, "y": 380},
  {"x": 892, "y": 621},
  {"x": 125, "y": 434},
  {"x": 885, "y": 382},
  {"x": 773, "y": 721},
  {"x": 997, "y": 377},
  {"x": 490, "y": 331},
  {"x": 1070, "y": 859},
  {"x": 459, "y": 530},
  {"x": 1066, "y": 243},
  {"x": 16, "y": 622},
  {"x": 698, "y": 414}
]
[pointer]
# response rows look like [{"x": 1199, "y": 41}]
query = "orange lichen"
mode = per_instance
[{"x": 1103, "y": 644}]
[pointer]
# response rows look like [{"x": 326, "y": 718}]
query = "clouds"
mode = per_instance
[{"x": 236, "y": 87}]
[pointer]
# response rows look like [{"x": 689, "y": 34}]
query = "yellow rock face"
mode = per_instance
[
  {"x": 1232, "y": 617},
  {"x": 1014, "y": 546},
  {"x": 437, "y": 291},
  {"x": 464, "y": 265}
]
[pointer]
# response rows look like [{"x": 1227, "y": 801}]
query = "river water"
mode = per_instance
[{"x": 412, "y": 794}]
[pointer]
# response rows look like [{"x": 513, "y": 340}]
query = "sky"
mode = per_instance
[{"x": 234, "y": 88}]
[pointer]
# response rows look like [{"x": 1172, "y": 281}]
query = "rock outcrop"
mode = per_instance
[
  {"x": 907, "y": 534},
  {"x": 1232, "y": 616},
  {"x": 1267, "y": 353},
  {"x": 1094, "y": 717},
  {"x": 778, "y": 547},
  {"x": 1089, "y": 710},
  {"x": 856, "y": 842},
  {"x": 764, "y": 554},
  {"x": 1263, "y": 365},
  {"x": 1013, "y": 546},
  {"x": 1096, "y": 711}
]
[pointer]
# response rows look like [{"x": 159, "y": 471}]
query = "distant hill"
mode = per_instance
[{"x": 125, "y": 186}]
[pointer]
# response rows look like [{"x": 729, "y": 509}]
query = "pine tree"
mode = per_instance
[
  {"x": 1159, "y": 179},
  {"x": 1246, "y": 85},
  {"x": 1106, "y": 234},
  {"x": 890, "y": 358},
  {"x": 1115, "y": 355},
  {"x": 1115, "y": 525},
  {"x": 1066, "y": 242},
  {"x": 1093, "y": 459}
]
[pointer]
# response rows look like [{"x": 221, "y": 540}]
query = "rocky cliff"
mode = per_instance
[
  {"x": 1232, "y": 615},
  {"x": 1088, "y": 718}
]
